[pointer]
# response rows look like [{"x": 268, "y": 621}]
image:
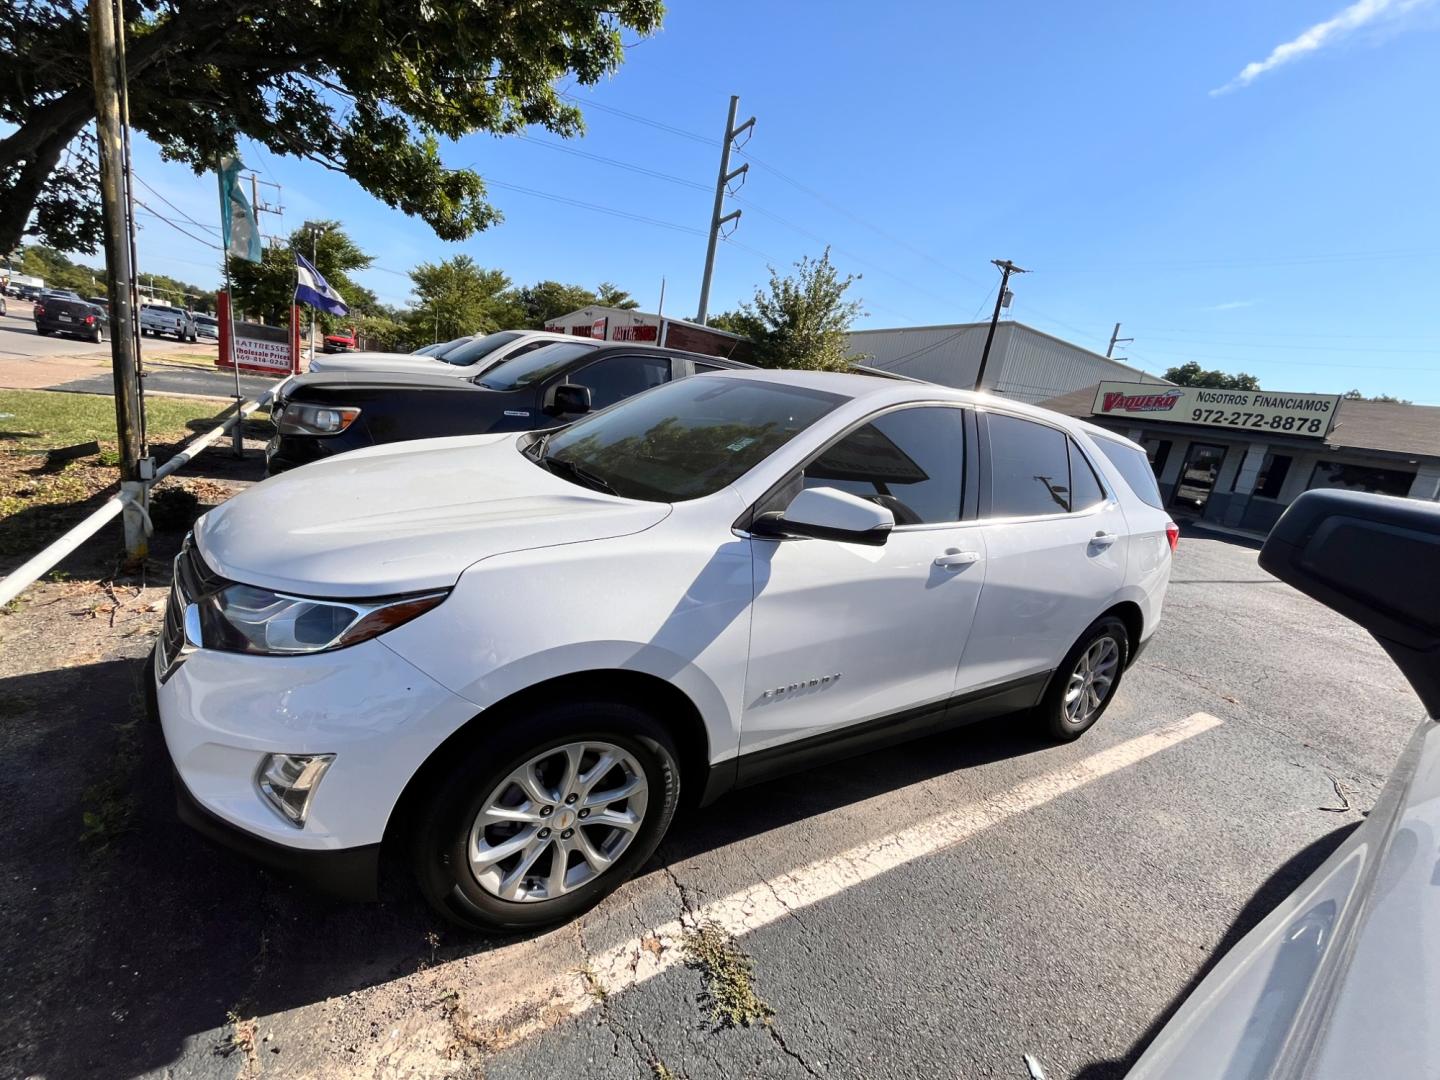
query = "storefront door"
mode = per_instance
[{"x": 1197, "y": 477}]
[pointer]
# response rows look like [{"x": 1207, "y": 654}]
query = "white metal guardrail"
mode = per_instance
[{"x": 29, "y": 572}]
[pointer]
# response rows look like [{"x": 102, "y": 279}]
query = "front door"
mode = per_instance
[
  {"x": 1197, "y": 477},
  {"x": 844, "y": 633}
]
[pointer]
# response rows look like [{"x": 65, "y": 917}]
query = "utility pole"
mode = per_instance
[
  {"x": 717, "y": 221},
  {"x": 1006, "y": 269},
  {"x": 106, "y": 24},
  {"x": 1116, "y": 339}
]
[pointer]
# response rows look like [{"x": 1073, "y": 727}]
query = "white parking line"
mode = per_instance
[{"x": 642, "y": 958}]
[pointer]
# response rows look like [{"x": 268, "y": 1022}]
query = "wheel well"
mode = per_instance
[
  {"x": 666, "y": 702},
  {"x": 1130, "y": 614}
]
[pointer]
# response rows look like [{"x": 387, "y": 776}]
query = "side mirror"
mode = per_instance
[
  {"x": 1374, "y": 559},
  {"x": 829, "y": 514},
  {"x": 567, "y": 399}
]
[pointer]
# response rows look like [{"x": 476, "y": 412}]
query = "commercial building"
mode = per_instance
[
  {"x": 1238, "y": 458},
  {"x": 620, "y": 324},
  {"x": 1025, "y": 364}
]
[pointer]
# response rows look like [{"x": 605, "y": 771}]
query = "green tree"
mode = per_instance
[
  {"x": 1192, "y": 374},
  {"x": 265, "y": 290},
  {"x": 456, "y": 297},
  {"x": 1356, "y": 395},
  {"x": 546, "y": 300},
  {"x": 367, "y": 90},
  {"x": 60, "y": 272},
  {"x": 735, "y": 322},
  {"x": 800, "y": 320},
  {"x": 608, "y": 294}
]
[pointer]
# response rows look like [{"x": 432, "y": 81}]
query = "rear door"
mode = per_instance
[{"x": 1055, "y": 544}]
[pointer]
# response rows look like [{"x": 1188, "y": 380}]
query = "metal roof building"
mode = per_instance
[{"x": 1025, "y": 363}]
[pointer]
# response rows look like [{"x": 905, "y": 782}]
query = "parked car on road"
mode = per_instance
[
  {"x": 1342, "y": 979},
  {"x": 440, "y": 347},
  {"x": 512, "y": 655},
  {"x": 61, "y": 312},
  {"x": 320, "y": 415},
  {"x": 466, "y": 360},
  {"x": 340, "y": 341},
  {"x": 207, "y": 326},
  {"x": 160, "y": 319}
]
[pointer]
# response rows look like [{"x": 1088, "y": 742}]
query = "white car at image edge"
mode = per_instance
[{"x": 511, "y": 656}]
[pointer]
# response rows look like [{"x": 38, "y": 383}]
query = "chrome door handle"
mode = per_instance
[{"x": 953, "y": 560}]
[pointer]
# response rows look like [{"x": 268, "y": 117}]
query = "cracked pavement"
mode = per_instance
[{"x": 1063, "y": 927}]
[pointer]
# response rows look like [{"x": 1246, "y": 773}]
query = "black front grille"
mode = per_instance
[{"x": 193, "y": 579}]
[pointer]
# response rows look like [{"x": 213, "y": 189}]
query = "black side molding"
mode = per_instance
[{"x": 1014, "y": 696}]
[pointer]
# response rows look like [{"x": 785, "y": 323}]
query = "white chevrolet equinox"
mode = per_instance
[{"x": 510, "y": 657}]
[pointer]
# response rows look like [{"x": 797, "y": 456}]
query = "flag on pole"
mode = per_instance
[
  {"x": 312, "y": 289},
  {"x": 237, "y": 217}
]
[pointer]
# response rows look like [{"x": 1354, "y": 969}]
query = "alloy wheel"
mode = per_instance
[
  {"x": 558, "y": 821},
  {"x": 1091, "y": 680}
]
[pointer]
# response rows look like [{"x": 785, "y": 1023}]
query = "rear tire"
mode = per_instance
[
  {"x": 1085, "y": 682},
  {"x": 97, "y": 335},
  {"x": 458, "y": 830}
]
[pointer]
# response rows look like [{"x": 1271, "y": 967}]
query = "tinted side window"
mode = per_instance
[
  {"x": 912, "y": 462},
  {"x": 1134, "y": 466},
  {"x": 1085, "y": 489},
  {"x": 618, "y": 377},
  {"x": 1029, "y": 468}
]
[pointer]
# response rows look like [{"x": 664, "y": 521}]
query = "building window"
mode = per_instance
[
  {"x": 1273, "y": 471},
  {"x": 1333, "y": 474}
]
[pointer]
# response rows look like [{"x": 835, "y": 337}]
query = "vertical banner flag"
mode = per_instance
[
  {"x": 239, "y": 228},
  {"x": 312, "y": 289}
]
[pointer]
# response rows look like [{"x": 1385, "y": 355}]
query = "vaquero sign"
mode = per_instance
[{"x": 1271, "y": 411}]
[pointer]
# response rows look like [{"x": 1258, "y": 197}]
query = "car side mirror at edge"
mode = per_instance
[
  {"x": 828, "y": 514},
  {"x": 566, "y": 399},
  {"x": 1374, "y": 559}
]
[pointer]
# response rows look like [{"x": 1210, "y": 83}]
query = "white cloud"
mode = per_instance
[
  {"x": 1357, "y": 16},
  {"x": 1231, "y": 305}
]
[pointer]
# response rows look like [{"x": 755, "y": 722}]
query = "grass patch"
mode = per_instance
[
  {"x": 729, "y": 977},
  {"x": 40, "y": 500}
]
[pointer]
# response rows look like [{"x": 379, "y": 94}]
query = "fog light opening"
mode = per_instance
[{"x": 289, "y": 781}]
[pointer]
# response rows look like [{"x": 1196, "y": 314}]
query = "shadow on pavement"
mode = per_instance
[
  {"x": 1279, "y": 885},
  {"x": 126, "y": 953}
]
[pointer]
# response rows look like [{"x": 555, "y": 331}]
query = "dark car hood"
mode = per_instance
[{"x": 326, "y": 382}]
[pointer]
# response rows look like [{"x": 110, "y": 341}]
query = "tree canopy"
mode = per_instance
[
  {"x": 1356, "y": 395},
  {"x": 367, "y": 90},
  {"x": 1192, "y": 374},
  {"x": 457, "y": 296},
  {"x": 60, "y": 272},
  {"x": 800, "y": 320}
]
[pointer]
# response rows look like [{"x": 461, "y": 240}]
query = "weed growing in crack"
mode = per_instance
[
  {"x": 593, "y": 984},
  {"x": 661, "y": 1071},
  {"x": 241, "y": 1039},
  {"x": 729, "y": 977},
  {"x": 109, "y": 803}
]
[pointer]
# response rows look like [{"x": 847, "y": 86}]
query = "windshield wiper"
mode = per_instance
[{"x": 578, "y": 473}]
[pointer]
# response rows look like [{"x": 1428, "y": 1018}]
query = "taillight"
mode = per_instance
[
  {"x": 39, "y": 310},
  {"x": 1172, "y": 534},
  {"x": 89, "y": 320}
]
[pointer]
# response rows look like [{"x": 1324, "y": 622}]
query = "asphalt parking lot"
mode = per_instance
[{"x": 939, "y": 909}]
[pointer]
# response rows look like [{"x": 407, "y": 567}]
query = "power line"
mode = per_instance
[
  {"x": 177, "y": 228},
  {"x": 1296, "y": 259},
  {"x": 182, "y": 213},
  {"x": 597, "y": 208},
  {"x": 657, "y": 124},
  {"x": 618, "y": 164}
]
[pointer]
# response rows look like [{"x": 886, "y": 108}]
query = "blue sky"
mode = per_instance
[{"x": 1252, "y": 186}]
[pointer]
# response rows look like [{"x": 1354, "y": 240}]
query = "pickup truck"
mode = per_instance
[
  {"x": 66, "y": 313},
  {"x": 158, "y": 319},
  {"x": 340, "y": 341}
]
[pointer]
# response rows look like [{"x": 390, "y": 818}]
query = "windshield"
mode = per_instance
[
  {"x": 535, "y": 366},
  {"x": 683, "y": 440},
  {"x": 473, "y": 349}
]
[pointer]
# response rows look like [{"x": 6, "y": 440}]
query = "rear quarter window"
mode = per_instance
[{"x": 1134, "y": 466}]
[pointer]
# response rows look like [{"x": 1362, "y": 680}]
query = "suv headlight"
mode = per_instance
[
  {"x": 296, "y": 419},
  {"x": 243, "y": 618}
]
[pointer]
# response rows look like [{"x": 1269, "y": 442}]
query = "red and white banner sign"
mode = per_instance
[{"x": 264, "y": 350}]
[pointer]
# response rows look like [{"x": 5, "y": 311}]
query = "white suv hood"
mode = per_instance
[
  {"x": 385, "y": 361},
  {"x": 404, "y": 517}
]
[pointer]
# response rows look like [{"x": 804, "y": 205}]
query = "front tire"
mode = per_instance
[
  {"x": 1085, "y": 682},
  {"x": 539, "y": 822}
]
